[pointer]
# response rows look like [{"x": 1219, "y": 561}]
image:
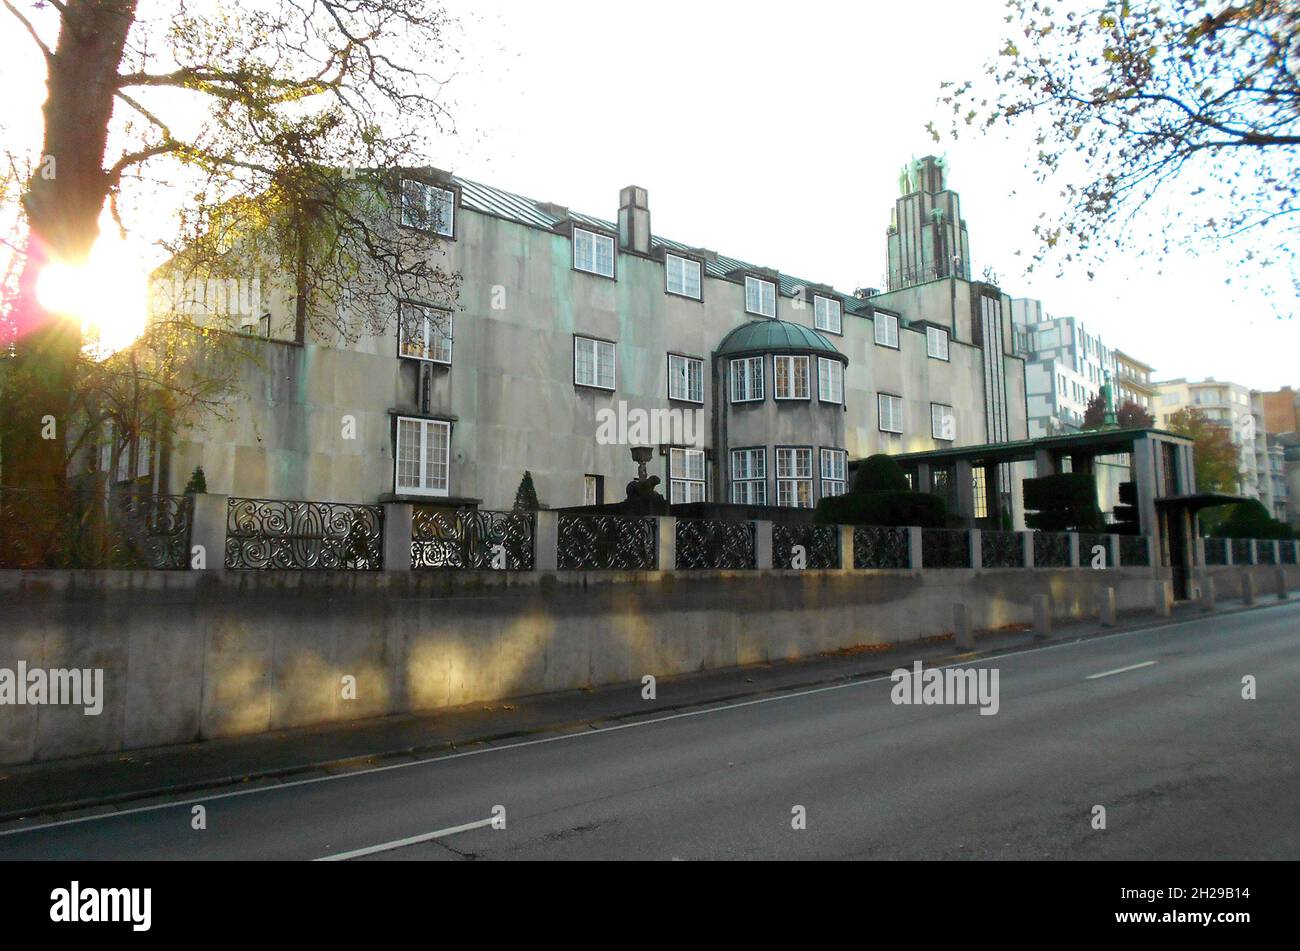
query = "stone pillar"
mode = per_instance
[
  {"x": 1044, "y": 463},
  {"x": 846, "y": 547},
  {"x": 1027, "y": 542},
  {"x": 1282, "y": 593},
  {"x": 962, "y": 634},
  {"x": 1207, "y": 593},
  {"x": 547, "y": 541},
  {"x": 1106, "y": 610},
  {"x": 667, "y": 542},
  {"x": 397, "y": 536},
  {"x": 914, "y": 547},
  {"x": 1164, "y": 598},
  {"x": 1144, "y": 476},
  {"x": 1199, "y": 550},
  {"x": 1247, "y": 588},
  {"x": 976, "y": 548},
  {"x": 922, "y": 477},
  {"x": 1254, "y": 552},
  {"x": 1227, "y": 551},
  {"x": 208, "y": 531},
  {"x": 763, "y": 544},
  {"x": 1153, "y": 552},
  {"x": 1114, "y": 551},
  {"x": 964, "y": 488},
  {"x": 1042, "y": 616},
  {"x": 1074, "y": 549}
]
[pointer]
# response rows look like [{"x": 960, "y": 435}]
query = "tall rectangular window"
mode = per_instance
[
  {"x": 749, "y": 476},
  {"x": 685, "y": 475},
  {"x": 423, "y": 456},
  {"x": 794, "y": 477},
  {"x": 833, "y": 463},
  {"x": 943, "y": 425},
  {"x": 424, "y": 333},
  {"x": 685, "y": 378},
  {"x": 593, "y": 490},
  {"x": 428, "y": 208},
  {"x": 593, "y": 252},
  {"x": 936, "y": 343},
  {"x": 790, "y": 377},
  {"x": 827, "y": 314},
  {"x": 746, "y": 379},
  {"x": 593, "y": 363},
  {"x": 886, "y": 329},
  {"x": 760, "y": 297},
  {"x": 890, "y": 410},
  {"x": 830, "y": 380},
  {"x": 683, "y": 276}
]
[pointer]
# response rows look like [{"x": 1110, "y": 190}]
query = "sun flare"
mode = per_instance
[{"x": 107, "y": 293}]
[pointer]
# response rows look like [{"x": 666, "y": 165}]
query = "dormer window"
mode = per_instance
[
  {"x": 936, "y": 343},
  {"x": 886, "y": 329},
  {"x": 827, "y": 314},
  {"x": 682, "y": 276},
  {"x": 426, "y": 207},
  {"x": 593, "y": 253},
  {"x": 760, "y": 297}
]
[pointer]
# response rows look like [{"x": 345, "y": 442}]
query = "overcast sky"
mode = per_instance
[{"x": 774, "y": 132}]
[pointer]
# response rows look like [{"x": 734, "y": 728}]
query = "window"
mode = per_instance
[
  {"x": 886, "y": 329},
  {"x": 423, "y": 456},
  {"x": 593, "y": 252},
  {"x": 980, "y": 491},
  {"x": 593, "y": 363},
  {"x": 685, "y": 378},
  {"x": 424, "y": 333},
  {"x": 428, "y": 208},
  {"x": 593, "y": 490},
  {"x": 830, "y": 380},
  {"x": 790, "y": 378},
  {"x": 794, "y": 477},
  {"x": 826, "y": 314},
  {"x": 760, "y": 297},
  {"x": 683, "y": 276},
  {"x": 936, "y": 343},
  {"x": 890, "y": 410},
  {"x": 749, "y": 476},
  {"x": 833, "y": 461},
  {"x": 685, "y": 475},
  {"x": 943, "y": 425},
  {"x": 746, "y": 379}
]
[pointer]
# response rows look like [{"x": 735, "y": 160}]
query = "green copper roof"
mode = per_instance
[{"x": 767, "y": 335}]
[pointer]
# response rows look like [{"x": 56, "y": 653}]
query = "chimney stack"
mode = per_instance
[{"x": 634, "y": 219}]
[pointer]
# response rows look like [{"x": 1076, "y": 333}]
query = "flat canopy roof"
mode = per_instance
[{"x": 1097, "y": 442}]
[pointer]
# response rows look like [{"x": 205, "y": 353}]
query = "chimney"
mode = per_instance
[{"x": 634, "y": 219}]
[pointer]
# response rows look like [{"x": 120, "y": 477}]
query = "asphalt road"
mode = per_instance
[{"x": 1184, "y": 766}]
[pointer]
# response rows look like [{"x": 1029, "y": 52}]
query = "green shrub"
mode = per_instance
[
  {"x": 1250, "y": 519},
  {"x": 882, "y": 508},
  {"x": 879, "y": 473},
  {"x": 1063, "y": 502}
]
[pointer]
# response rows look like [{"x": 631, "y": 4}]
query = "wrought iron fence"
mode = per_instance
[
  {"x": 1265, "y": 552},
  {"x": 272, "y": 533},
  {"x": 714, "y": 543},
  {"x": 607, "y": 542},
  {"x": 820, "y": 543},
  {"x": 94, "y": 529},
  {"x": 1088, "y": 545},
  {"x": 877, "y": 546},
  {"x": 1002, "y": 550},
  {"x": 945, "y": 548},
  {"x": 1240, "y": 551},
  {"x": 1216, "y": 551},
  {"x": 1133, "y": 550},
  {"x": 1051, "y": 550},
  {"x": 472, "y": 538},
  {"x": 1288, "y": 553}
]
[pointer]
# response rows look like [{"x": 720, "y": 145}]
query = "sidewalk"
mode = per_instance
[{"x": 99, "y": 783}]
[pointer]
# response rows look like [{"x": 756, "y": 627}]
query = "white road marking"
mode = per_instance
[
  {"x": 431, "y": 760},
  {"x": 399, "y": 843},
  {"x": 1120, "y": 670}
]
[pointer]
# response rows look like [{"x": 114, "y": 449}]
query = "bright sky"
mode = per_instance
[{"x": 775, "y": 133}]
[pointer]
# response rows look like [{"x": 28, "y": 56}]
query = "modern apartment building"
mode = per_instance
[
  {"x": 1134, "y": 382},
  {"x": 1231, "y": 405},
  {"x": 1065, "y": 367},
  {"x": 573, "y": 337}
]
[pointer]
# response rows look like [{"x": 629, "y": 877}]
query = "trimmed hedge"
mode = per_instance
[
  {"x": 1063, "y": 502},
  {"x": 882, "y": 508}
]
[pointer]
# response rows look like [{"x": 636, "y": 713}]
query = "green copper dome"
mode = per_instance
[{"x": 764, "y": 336}]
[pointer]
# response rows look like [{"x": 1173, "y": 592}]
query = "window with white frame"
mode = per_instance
[
  {"x": 428, "y": 207},
  {"x": 890, "y": 410},
  {"x": 593, "y": 362},
  {"x": 685, "y": 378},
  {"x": 830, "y": 380},
  {"x": 827, "y": 314},
  {"x": 423, "y": 457},
  {"x": 593, "y": 252},
  {"x": 683, "y": 276},
  {"x": 592, "y": 490},
  {"x": 943, "y": 425},
  {"x": 936, "y": 343},
  {"x": 746, "y": 379},
  {"x": 794, "y": 477},
  {"x": 424, "y": 332},
  {"x": 886, "y": 329},
  {"x": 749, "y": 476},
  {"x": 790, "y": 377},
  {"x": 760, "y": 297},
  {"x": 685, "y": 475},
  {"x": 833, "y": 463}
]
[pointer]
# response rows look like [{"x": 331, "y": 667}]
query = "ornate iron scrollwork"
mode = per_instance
[
  {"x": 472, "y": 538},
  {"x": 1087, "y": 547},
  {"x": 1002, "y": 550},
  {"x": 1240, "y": 551},
  {"x": 878, "y": 546},
  {"x": 607, "y": 542},
  {"x": 270, "y": 533},
  {"x": 821, "y": 544},
  {"x": 1051, "y": 550},
  {"x": 945, "y": 548},
  {"x": 1133, "y": 550},
  {"x": 714, "y": 543}
]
